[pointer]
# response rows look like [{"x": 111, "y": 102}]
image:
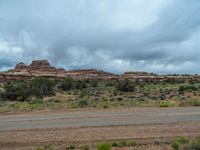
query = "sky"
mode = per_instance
[{"x": 160, "y": 36}]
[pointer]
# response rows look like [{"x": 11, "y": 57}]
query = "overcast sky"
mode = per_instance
[{"x": 161, "y": 36}]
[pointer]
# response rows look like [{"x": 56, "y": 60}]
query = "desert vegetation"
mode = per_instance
[
  {"x": 43, "y": 93},
  {"x": 178, "y": 143}
]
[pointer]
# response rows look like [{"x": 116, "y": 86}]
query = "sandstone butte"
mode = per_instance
[{"x": 42, "y": 68}]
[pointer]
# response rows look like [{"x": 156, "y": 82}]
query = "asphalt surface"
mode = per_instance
[{"x": 107, "y": 117}]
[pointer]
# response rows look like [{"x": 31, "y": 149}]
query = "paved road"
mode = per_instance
[{"x": 105, "y": 117}]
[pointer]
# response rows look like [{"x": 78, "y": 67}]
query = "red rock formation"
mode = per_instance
[
  {"x": 41, "y": 68},
  {"x": 44, "y": 69}
]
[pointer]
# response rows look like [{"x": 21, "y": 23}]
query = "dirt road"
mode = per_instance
[
  {"x": 98, "y": 118},
  {"x": 91, "y": 125}
]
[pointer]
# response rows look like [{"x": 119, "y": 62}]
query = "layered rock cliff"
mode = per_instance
[{"x": 42, "y": 68}]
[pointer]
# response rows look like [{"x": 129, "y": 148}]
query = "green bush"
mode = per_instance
[
  {"x": 166, "y": 104},
  {"x": 70, "y": 147},
  {"x": 196, "y": 143},
  {"x": 125, "y": 86},
  {"x": 42, "y": 87},
  {"x": 187, "y": 87},
  {"x": 46, "y": 147},
  {"x": 104, "y": 146},
  {"x": 70, "y": 84},
  {"x": 193, "y": 102},
  {"x": 84, "y": 93},
  {"x": 182, "y": 139},
  {"x": 17, "y": 90},
  {"x": 131, "y": 143},
  {"x": 67, "y": 84},
  {"x": 175, "y": 145},
  {"x": 124, "y": 143},
  {"x": 193, "y": 145},
  {"x": 83, "y": 103},
  {"x": 179, "y": 141},
  {"x": 23, "y": 90}
]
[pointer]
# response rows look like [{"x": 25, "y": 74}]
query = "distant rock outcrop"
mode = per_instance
[
  {"x": 42, "y": 68},
  {"x": 36, "y": 68}
]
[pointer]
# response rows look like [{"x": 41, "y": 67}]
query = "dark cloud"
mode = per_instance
[{"x": 161, "y": 36}]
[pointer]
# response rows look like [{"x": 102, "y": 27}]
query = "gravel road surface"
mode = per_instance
[{"x": 92, "y": 118}]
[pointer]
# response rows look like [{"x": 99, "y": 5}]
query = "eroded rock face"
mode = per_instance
[
  {"x": 21, "y": 66},
  {"x": 36, "y": 68},
  {"x": 43, "y": 68},
  {"x": 41, "y": 65}
]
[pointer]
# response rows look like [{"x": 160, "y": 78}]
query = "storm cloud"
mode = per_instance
[{"x": 113, "y": 35}]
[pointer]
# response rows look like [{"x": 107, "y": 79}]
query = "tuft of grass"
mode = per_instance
[
  {"x": 182, "y": 139},
  {"x": 46, "y": 147},
  {"x": 175, "y": 145},
  {"x": 104, "y": 146},
  {"x": 124, "y": 143},
  {"x": 179, "y": 141},
  {"x": 131, "y": 143},
  {"x": 70, "y": 147},
  {"x": 166, "y": 104},
  {"x": 85, "y": 147}
]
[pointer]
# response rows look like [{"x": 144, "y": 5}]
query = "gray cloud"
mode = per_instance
[{"x": 161, "y": 36}]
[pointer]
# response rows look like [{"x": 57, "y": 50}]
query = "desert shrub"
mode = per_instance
[
  {"x": 125, "y": 86},
  {"x": 182, "y": 139},
  {"x": 175, "y": 145},
  {"x": 115, "y": 93},
  {"x": 17, "y": 90},
  {"x": 79, "y": 84},
  {"x": 67, "y": 84},
  {"x": 104, "y": 98},
  {"x": 104, "y": 146},
  {"x": 70, "y": 84},
  {"x": 46, "y": 147},
  {"x": 124, "y": 143},
  {"x": 70, "y": 147},
  {"x": 119, "y": 98},
  {"x": 179, "y": 141},
  {"x": 84, "y": 93},
  {"x": 196, "y": 143},
  {"x": 105, "y": 106},
  {"x": 187, "y": 103},
  {"x": 85, "y": 147},
  {"x": 94, "y": 83},
  {"x": 37, "y": 101},
  {"x": 166, "y": 104},
  {"x": 24, "y": 90},
  {"x": 42, "y": 87},
  {"x": 187, "y": 87},
  {"x": 131, "y": 143},
  {"x": 83, "y": 103},
  {"x": 193, "y": 145}
]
